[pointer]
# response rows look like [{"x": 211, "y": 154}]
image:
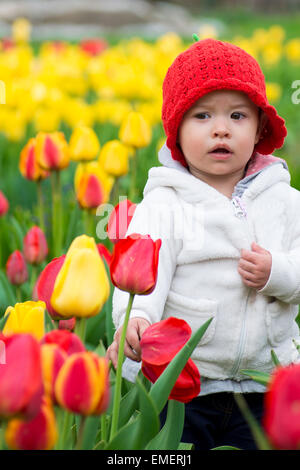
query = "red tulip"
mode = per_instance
[
  {"x": 159, "y": 344},
  {"x": 45, "y": 284},
  {"x": 282, "y": 408},
  {"x": 21, "y": 385},
  {"x": 16, "y": 269},
  {"x": 119, "y": 220},
  {"x": 3, "y": 204},
  {"x": 134, "y": 264},
  {"x": 93, "y": 46},
  {"x": 66, "y": 340},
  {"x": 39, "y": 433},
  {"x": 104, "y": 253},
  {"x": 82, "y": 384},
  {"x": 35, "y": 246}
]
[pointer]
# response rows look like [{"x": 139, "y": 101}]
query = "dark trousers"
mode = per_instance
[{"x": 215, "y": 420}]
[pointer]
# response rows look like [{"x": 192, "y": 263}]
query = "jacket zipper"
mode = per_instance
[{"x": 241, "y": 212}]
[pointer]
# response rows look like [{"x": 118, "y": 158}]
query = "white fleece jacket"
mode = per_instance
[{"x": 202, "y": 233}]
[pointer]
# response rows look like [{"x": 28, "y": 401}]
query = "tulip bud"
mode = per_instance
[
  {"x": 3, "y": 204},
  {"x": 119, "y": 220},
  {"x": 67, "y": 341},
  {"x": 16, "y": 269},
  {"x": 26, "y": 317},
  {"x": 81, "y": 287},
  {"x": 53, "y": 358},
  {"x": 84, "y": 144},
  {"x": 52, "y": 151},
  {"x": 28, "y": 164},
  {"x": 134, "y": 264},
  {"x": 82, "y": 384},
  {"x": 35, "y": 246},
  {"x": 135, "y": 130},
  {"x": 114, "y": 158},
  {"x": 39, "y": 433},
  {"x": 20, "y": 376},
  {"x": 21, "y": 30},
  {"x": 92, "y": 185},
  {"x": 45, "y": 284}
]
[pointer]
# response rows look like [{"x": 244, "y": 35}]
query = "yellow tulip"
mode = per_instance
[
  {"x": 292, "y": 50},
  {"x": 273, "y": 91},
  {"x": 21, "y": 30},
  {"x": 135, "y": 130},
  {"x": 82, "y": 286},
  {"x": 84, "y": 144},
  {"x": 26, "y": 317},
  {"x": 114, "y": 158}
]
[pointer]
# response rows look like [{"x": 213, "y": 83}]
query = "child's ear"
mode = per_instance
[{"x": 263, "y": 119}]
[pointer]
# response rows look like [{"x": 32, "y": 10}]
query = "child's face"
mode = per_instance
[{"x": 222, "y": 118}]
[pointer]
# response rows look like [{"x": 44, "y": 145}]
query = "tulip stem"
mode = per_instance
[
  {"x": 56, "y": 214},
  {"x": 103, "y": 428},
  {"x": 18, "y": 294},
  {"x": 67, "y": 423},
  {"x": 133, "y": 175},
  {"x": 114, "y": 195},
  {"x": 118, "y": 383},
  {"x": 80, "y": 328},
  {"x": 89, "y": 222},
  {"x": 258, "y": 434},
  {"x": 80, "y": 432},
  {"x": 40, "y": 205}
]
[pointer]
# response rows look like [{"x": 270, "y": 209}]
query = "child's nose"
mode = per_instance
[{"x": 220, "y": 128}]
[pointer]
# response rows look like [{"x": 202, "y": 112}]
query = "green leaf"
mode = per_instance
[
  {"x": 260, "y": 377},
  {"x": 169, "y": 436},
  {"x": 18, "y": 232},
  {"x": 164, "y": 384},
  {"x": 129, "y": 403},
  {"x": 185, "y": 446},
  {"x": 275, "y": 358},
  {"x": 138, "y": 432},
  {"x": 10, "y": 296},
  {"x": 49, "y": 325},
  {"x": 3, "y": 320},
  {"x": 90, "y": 432},
  {"x": 225, "y": 448}
]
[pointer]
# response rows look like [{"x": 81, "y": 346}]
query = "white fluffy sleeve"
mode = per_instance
[{"x": 284, "y": 279}]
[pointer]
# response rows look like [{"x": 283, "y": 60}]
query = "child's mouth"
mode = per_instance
[{"x": 221, "y": 153}]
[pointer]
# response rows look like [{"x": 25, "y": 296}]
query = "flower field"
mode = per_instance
[{"x": 80, "y": 126}]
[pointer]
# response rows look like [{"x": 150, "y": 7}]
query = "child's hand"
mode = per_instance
[
  {"x": 255, "y": 266},
  {"x": 135, "y": 329}
]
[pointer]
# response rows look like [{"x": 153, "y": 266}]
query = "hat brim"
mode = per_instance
[{"x": 273, "y": 133}]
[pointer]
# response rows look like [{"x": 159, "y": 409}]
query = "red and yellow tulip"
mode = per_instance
[
  {"x": 52, "y": 151},
  {"x": 92, "y": 185},
  {"x": 28, "y": 164},
  {"x": 82, "y": 384},
  {"x": 53, "y": 358},
  {"x": 38, "y": 433}
]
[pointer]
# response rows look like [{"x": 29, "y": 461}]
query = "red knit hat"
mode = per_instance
[{"x": 210, "y": 65}]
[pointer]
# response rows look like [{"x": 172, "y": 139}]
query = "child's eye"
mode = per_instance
[
  {"x": 201, "y": 115},
  {"x": 236, "y": 115}
]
